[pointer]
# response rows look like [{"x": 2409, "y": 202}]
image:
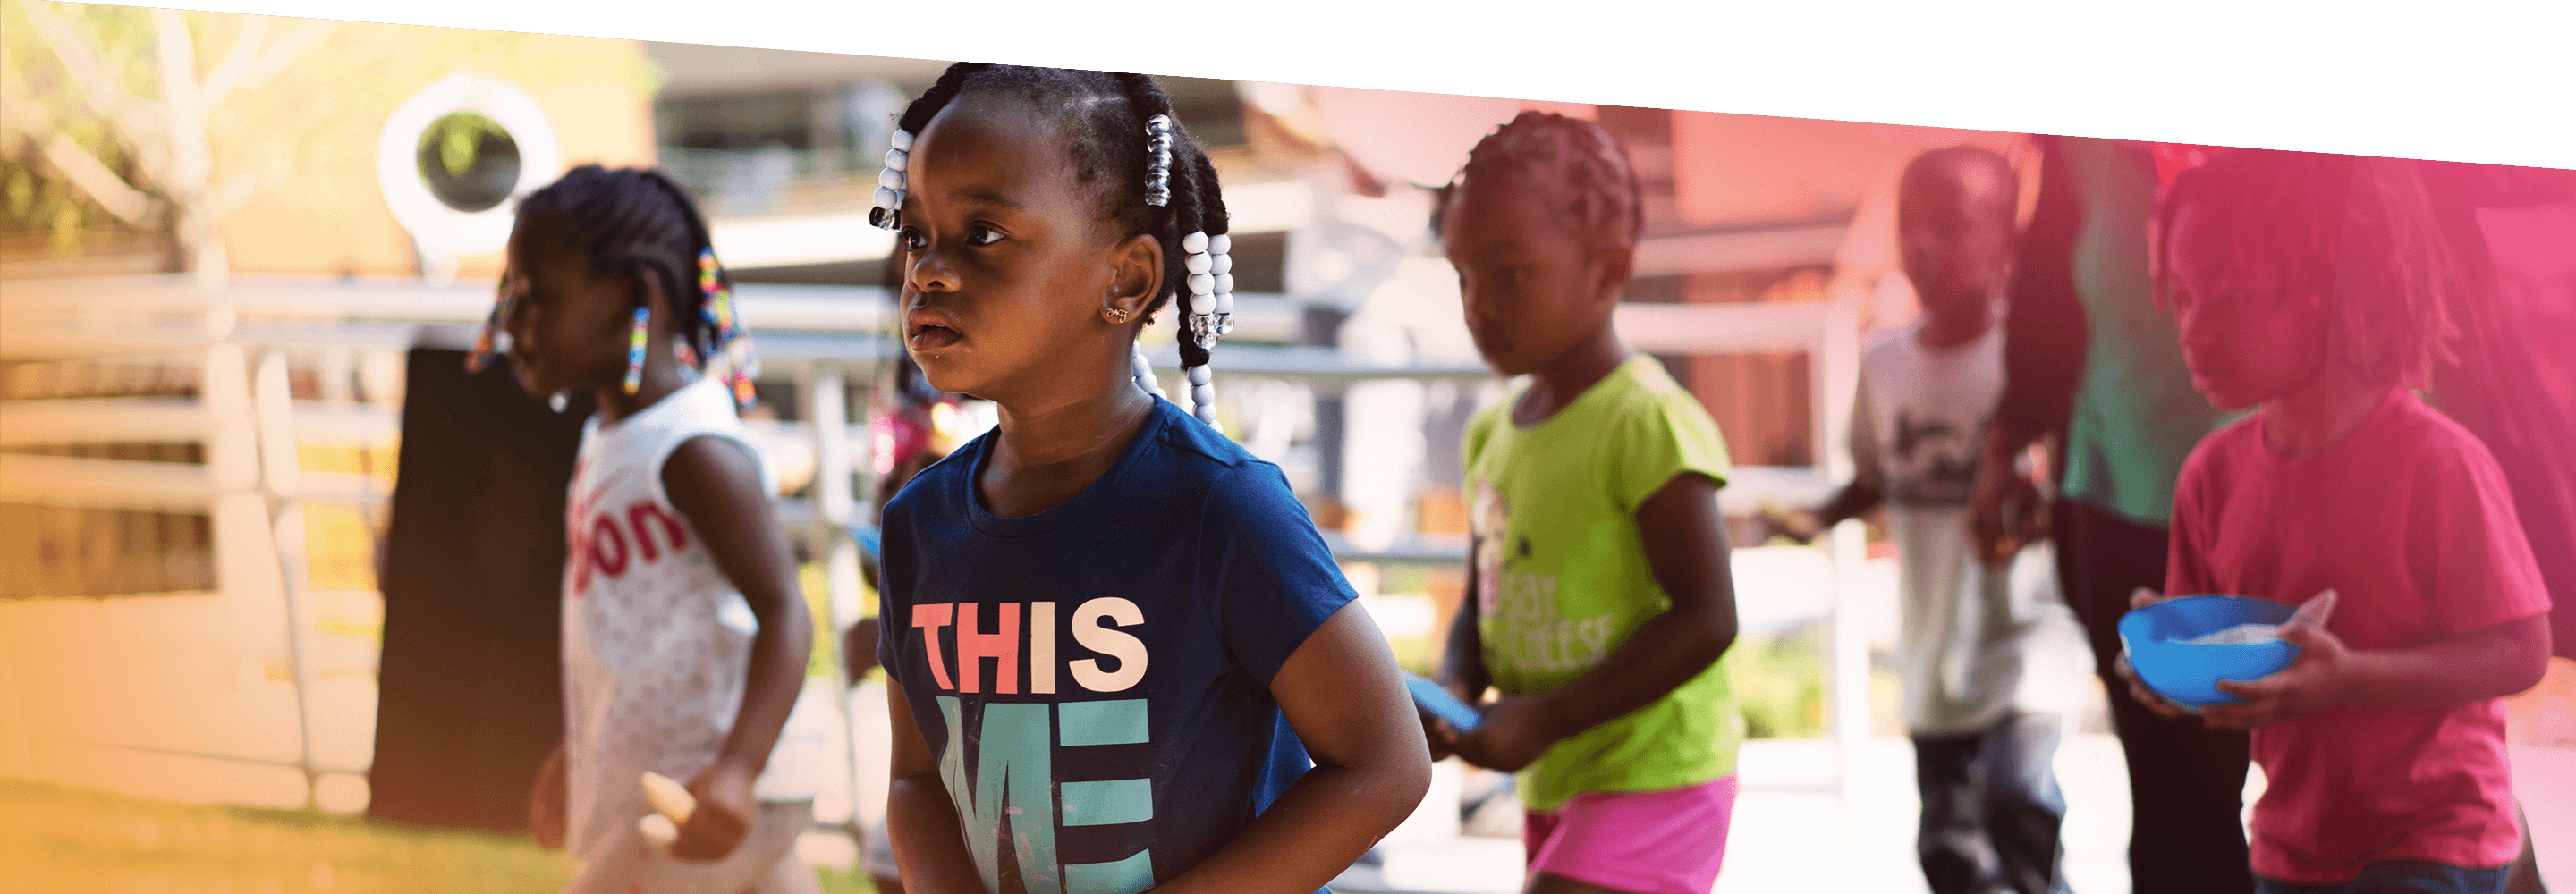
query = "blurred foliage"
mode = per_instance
[
  {"x": 460, "y": 138},
  {"x": 331, "y": 100},
  {"x": 1780, "y": 685},
  {"x": 33, "y": 197}
]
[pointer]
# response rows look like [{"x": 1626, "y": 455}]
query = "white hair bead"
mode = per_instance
[
  {"x": 889, "y": 199},
  {"x": 1224, "y": 282},
  {"x": 890, "y": 178},
  {"x": 1144, "y": 369},
  {"x": 1220, "y": 244},
  {"x": 1198, "y": 262},
  {"x": 1207, "y": 414},
  {"x": 1224, "y": 304},
  {"x": 1202, "y": 304},
  {"x": 897, "y": 158},
  {"x": 1195, "y": 242},
  {"x": 1199, "y": 375},
  {"x": 1223, "y": 263},
  {"x": 1203, "y": 394},
  {"x": 902, "y": 140},
  {"x": 1201, "y": 284}
]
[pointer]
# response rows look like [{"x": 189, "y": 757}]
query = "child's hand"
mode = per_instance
[
  {"x": 2155, "y": 701},
  {"x": 2315, "y": 683},
  {"x": 723, "y": 815},
  {"x": 546, "y": 802},
  {"x": 1800, "y": 526},
  {"x": 1436, "y": 732},
  {"x": 1516, "y": 731},
  {"x": 1438, "y": 735},
  {"x": 1996, "y": 535}
]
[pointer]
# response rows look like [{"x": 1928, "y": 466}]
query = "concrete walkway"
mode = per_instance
[{"x": 133, "y": 696}]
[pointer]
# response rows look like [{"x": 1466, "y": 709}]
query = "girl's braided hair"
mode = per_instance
[{"x": 1104, "y": 119}]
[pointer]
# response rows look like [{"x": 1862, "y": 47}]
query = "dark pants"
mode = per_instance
[
  {"x": 2186, "y": 781},
  {"x": 2403, "y": 878},
  {"x": 1991, "y": 809}
]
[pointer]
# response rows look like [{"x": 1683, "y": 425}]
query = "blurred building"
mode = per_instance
[
  {"x": 308, "y": 140},
  {"x": 146, "y": 519}
]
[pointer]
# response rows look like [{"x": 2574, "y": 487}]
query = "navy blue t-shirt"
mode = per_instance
[{"x": 1095, "y": 677}]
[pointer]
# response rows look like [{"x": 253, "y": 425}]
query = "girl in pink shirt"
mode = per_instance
[{"x": 2310, "y": 289}]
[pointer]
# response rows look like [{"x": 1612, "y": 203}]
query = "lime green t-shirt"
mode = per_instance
[{"x": 1562, "y": 578}]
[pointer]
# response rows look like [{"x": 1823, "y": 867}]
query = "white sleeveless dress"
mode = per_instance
[{"x": 656, "y": 640}]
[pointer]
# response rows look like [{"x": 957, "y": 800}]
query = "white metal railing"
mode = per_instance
[{"x": 824, "y": 338}]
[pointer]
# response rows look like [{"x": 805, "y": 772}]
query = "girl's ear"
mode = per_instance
[
  {"x": 1615, "y": 265},
  {"x": 656, "y": 295},
  {"x": 1136, "y": 276}
]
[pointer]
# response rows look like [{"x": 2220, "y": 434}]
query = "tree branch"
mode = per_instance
[
  {"x": 229, "y": 71},
  {"x": 89, "y": 76},
  {"x": 102, "y": 185},
  {"x": 231, "y": 195},
  {"x": 31, "y": 121},
  {"x": 281, "y": 53},
  {"x": 137, "y": 119}
]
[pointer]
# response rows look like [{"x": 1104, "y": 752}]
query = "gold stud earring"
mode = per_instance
[{"x": 1116, "y": 314}]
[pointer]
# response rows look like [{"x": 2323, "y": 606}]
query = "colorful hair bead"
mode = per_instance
[{"x": 635, "y": 348}]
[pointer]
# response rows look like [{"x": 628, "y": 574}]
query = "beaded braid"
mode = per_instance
[
  {"x": 1174, "y": 196},
  {"x": 638, "y": 221},
  {"x": 891, "y": 182}
]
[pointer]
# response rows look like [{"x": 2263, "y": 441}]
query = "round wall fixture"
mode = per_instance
[{"x": 454, "y": 155}]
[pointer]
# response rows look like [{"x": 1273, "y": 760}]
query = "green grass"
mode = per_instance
[{"x": 55, "y": 839}]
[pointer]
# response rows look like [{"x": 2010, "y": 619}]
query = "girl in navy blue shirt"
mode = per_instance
[{"x": 1124, "y": 659}]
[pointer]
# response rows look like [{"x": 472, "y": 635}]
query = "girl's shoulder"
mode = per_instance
[
  {"x": 1651, "y": 404},
  {"x": 935, "y": 485},
  {"x": 2434, "y": 444}
]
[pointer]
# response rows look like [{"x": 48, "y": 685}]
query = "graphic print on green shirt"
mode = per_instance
[{"x": 1562, "y": 577}]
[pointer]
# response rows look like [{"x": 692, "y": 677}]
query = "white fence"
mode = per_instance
[{"x": 826, "y": 339}]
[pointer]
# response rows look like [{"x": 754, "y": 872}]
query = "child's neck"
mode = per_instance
[
  {"x": 1557, "y": 383},
  {"x": 2321, "y": 413},
  {"x": 659, "y": 381},
  {"x": 1048, "y": 451},
  {"x": 1956, "y": 323}
]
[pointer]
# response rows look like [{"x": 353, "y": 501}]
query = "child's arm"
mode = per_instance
[
  {"x": 920, "y": 819},
  {"x": 1462, "y": 666},
  {"x": 716, "y": 484},
  {"x": 2475, "y": 666},
  {"x": 1864, "y": 492},
  {"x": 1861, "y": 495},
  {"x": 548, "y": 804},
  {"x": 2044, "y": 347},
  {"x": 1686, "y": 548},
  {"x": 1345, "y": 699}
]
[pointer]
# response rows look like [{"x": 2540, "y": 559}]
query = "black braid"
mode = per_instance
[
  {"x": 637, "y": 221},
  {"x": 1587, "y": 165},
  {"x": 1101, "y": 117},
  {"x": 2357, "y": 233}
]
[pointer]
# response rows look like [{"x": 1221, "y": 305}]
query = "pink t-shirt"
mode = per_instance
[{"x": 2409, "y": 521}]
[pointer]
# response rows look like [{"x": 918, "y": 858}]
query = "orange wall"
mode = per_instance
[{"x": 311, "y": 134}]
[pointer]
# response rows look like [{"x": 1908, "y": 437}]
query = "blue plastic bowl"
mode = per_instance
[{"x": 2189, "y": 673}]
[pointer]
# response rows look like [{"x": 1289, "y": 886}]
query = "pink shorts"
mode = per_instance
[{"x": 1664, "y": 842}]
